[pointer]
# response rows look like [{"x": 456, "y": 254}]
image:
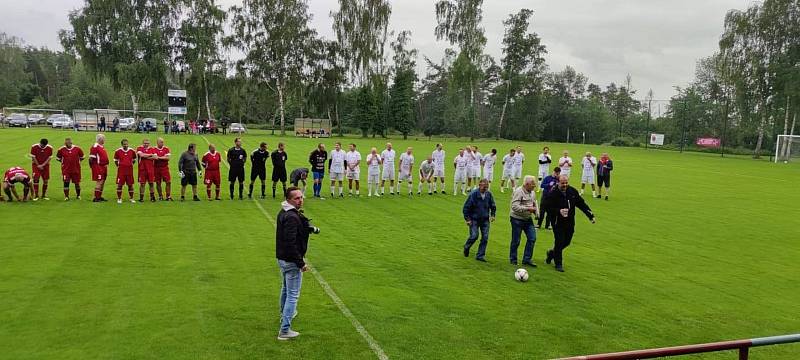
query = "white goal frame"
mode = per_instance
[{"x": 778, "y": 144}]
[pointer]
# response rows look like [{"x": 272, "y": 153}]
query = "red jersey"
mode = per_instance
[
  {"x": 125, "y": 158},
  {"x": 211, "y": 161},
  {"x": 70, "y": 159},
  {"x": 161, "y": 152},
  {"x": 41, "y": 154},
  {"x": 145, "y": 163},
  {"x": 12, "y": 172},
  {"x": 98, "y": 155}
]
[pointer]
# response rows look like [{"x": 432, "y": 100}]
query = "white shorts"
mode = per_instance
[
  {"x": 543, "y": 172},
  {"x": 337, "y": 176},
  {"x": 423, "y": 178},
  {"x": 438, "y": 172},
  {"x": 566, "y": 172},
  {"x": 388, "y": 175},
  {"x": 403, "y": 176},
  {"x": 461, "y": 175},
  {"x": 587, "y": 178},
  {"x": 517, "y": 172},
  {"x": 373, "y": 178},
  {"x": 353, "y": 175},
  {"x": 488, "y": 174},
  {"x": 475, "y": 171},
  {"x": 508, "y": 174}
]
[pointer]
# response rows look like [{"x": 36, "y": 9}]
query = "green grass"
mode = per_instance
[{"x": 691, "y": 248}]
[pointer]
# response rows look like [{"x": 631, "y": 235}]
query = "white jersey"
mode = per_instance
[
  {"x": 518, "y": 159},
  {"x": 488, "y": 162},
  {"x": 544, "y": 167},
  {"x": 388, "y": 159},
  {"x": 565, "y": 163},
  {"x": 353, "y": 158},
  {"x": 589, "y": 164},
  {"x": 509, "y": 162},
  {"x": 461, "y": 162},
  {"x": 337, "y": 161},
  {"x": 373, "y": 164},
  {"x": 406, "y": 161},
  {"x": 476, "y": 159},
  {"x": 438, "y": 158}
]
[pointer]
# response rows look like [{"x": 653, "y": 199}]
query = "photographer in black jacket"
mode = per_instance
[
  {"x": 560, "y": 203},
  {"x": 291, "y": 243}
]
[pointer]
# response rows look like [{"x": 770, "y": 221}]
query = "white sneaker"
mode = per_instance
[
  {"x": 377, "y": 195},
  {"x": 46, "y": 198},
  {"x": 66, "y": 199},
  {"x": 119, "y": 201},
  {"x": 288, "y": 335},
  {"x": 35, "y": 199},
  {"x": 133, "y": 201}
]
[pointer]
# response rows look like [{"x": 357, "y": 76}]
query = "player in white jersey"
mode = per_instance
[
  {"x": 519, "y": 162},
  {"x": 508, "y": 171},
  {"x": 565, "y": 163},
  {"x": 336, "y": 166},
  {"x": 438, "y": 167},
  {"x": 475, "y": 166},
  {"x": 374, "y": 162},
  {"x": 588, "y": 164},
  {"x": 426, "y": 170},
  {"x": 388, "y": 157},
  {"x": 488, "y": 166},
  {"x": 460, "y": 163},
  {"x": 406, "y": 170},
  {"x": 353, "y": 171},
  {"x": 544, "y": 163}
]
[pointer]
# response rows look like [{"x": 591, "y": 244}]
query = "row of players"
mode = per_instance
[{"x": 153, "y": 168}]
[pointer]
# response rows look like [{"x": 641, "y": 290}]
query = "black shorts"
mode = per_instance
[
  {"x": 236, "y": 174},
  {"x": 278, "y": 175},
  {"x": 258, "y": 173},
  {"x": 604, "y": 180},
  {"x": 189, "y": 179}
]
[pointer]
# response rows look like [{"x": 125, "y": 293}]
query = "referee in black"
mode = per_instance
[
  {"x": 279, "y": 158},
  {"x": 560, "y": 203},
  {"x": 258, "y": 168},
  {"x": 188, "y": 167},
  {"x": 237, "y": 157}
]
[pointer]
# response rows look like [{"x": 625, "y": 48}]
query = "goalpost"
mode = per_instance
[{"x": 787, "y": 148}]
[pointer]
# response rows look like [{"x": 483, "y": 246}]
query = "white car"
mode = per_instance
[
  {"x": 237, "y": 128},
  {"x": 62, "y": 122},
  {"x": 53, "y": 117},
  {"x": 126, "y": 123},
  {"x": 18, "y": 120}
]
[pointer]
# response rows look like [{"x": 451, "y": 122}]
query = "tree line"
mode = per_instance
[{"x": 127, "y": 54}]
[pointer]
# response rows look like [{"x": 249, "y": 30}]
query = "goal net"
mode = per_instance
[{"x": 787, "y": 148}]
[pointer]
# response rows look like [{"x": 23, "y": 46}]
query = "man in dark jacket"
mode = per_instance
[
  {"x": 604, "y": 168},
  {"x": 479, "y": 210},
  {"x": 561, "y": 203},
  {"x": 258, "y": 168},
  {"x": 549, "y": 182},
  {"x": 188, "y": 167},
  {"x": 237, "y": 157},
  {"x": 291, "y": 242},
  {"x": 318, "y": 159}
]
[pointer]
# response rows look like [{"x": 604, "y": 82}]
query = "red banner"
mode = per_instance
[{"x": 708, "y": 142}]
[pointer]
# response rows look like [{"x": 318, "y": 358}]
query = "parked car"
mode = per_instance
[
  {"x": 36, "y": 119},
  {"x": 53, "y": 117},
  {"x": 147, "y": 124},
  {"x": 126, "y": 123},
  {"x": 18, "y": 120},
  {"x": 62, "y": 122},
  {"x": 237, "y": 128}
]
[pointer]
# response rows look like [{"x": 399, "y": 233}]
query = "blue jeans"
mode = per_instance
[
  {"x": 517, "y": 227},
  {"x": 290, "y": 292},
  {"x": 483, "y": 226}
]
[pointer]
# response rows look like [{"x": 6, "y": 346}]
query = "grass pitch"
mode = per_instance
[{"x": 690, "y": 248}]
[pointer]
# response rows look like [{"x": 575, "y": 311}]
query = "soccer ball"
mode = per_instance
[{"x": 521, "y": 275}]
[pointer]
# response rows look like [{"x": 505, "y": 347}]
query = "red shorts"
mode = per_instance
[
  {"x": 211, "y": 177},
  {"x": 73, "y": 177},
  {"x": 162, "y": 174},
  {"x": 147, "y": 175},
  {"x": 99, "y": 173},
  {"x": 44, "y": 174},
  {"x": 125, "y": 177}
]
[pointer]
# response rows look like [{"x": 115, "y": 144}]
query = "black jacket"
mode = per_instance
[
  {"x": 291, "y": 236},
  {"x": 237, "y": 157},
  {"x": 317, "y": 160},
  {"x": 556, "y": 200}
]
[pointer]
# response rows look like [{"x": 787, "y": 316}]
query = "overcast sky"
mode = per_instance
[{"x": 657, "y": 42}]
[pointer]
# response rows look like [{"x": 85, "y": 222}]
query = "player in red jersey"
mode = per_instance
[
  {"x": 162, "y": 170},
  {"x": 98, "y": 161},
  {"x": 124, "y": 157},
  {"x": 70, "y": 157},
  {"x": 41, "y": 154},
  {"x": 17, "y": 175},
  {"x": 146, "y": 156},
  {"x": 211, "y": 161}
]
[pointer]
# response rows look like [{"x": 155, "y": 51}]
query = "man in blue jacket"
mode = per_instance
[
  {"x": 479, "y": 210},
  {"x": 549, "y": 182}
]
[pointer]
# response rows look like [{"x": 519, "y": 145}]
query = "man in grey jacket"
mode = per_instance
[
  {"x": 188, "y": 167},
  {"x": 523, "y": 210}
]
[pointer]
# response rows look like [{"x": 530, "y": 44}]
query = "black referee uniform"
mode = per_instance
[
  {"x": 258, "y": 169},
  {"x": 236, "y": 159},
  {"x": 278, "y": 169}
]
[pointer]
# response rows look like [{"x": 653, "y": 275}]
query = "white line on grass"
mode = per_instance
[{"x": 376, "y": 348}]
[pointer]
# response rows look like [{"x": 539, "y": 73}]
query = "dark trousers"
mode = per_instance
[
  {"x": 544, "y": 216},
  {"x": 563, "y": 237},
  {"x": 483, "y": 226}
]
